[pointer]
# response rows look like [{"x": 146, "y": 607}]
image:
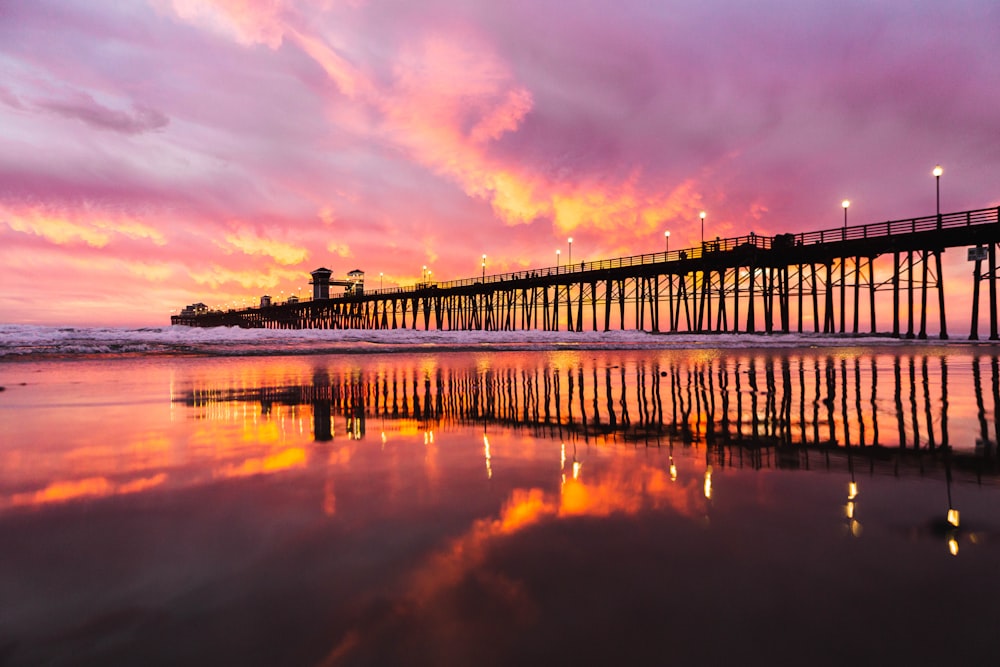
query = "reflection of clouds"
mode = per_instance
[
  {"x": 90, "y": 487},
  {"x": 294, "y": 457},
  {"x": 601, "y": 494}
]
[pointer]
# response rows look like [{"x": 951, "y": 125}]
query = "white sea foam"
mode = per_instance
[{"x": 27, "y": 341}]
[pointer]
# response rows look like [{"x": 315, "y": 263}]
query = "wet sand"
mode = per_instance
[{"x": 482, "y": 508}]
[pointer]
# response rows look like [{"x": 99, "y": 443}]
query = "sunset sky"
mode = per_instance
[{"x": 162, "y": 152}]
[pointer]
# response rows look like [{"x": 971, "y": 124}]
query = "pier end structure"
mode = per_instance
[{"x": 321, "y": 283}]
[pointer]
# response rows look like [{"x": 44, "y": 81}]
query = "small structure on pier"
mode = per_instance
[
  {"x": 357, "y": 280},
  {"x": 194, "y": 309},
  {"x": 321, "y": 283},
  {"x": 265, "y": 301}
]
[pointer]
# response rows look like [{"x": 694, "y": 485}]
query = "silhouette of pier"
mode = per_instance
[
  {"x": 765, "y": 410},
  {"x": 827, "y": 281}
]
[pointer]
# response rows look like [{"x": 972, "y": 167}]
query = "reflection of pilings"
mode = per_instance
[{"x": 791, "y": 403}]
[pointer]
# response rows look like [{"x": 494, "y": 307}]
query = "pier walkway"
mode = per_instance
[{"x": 826, "y": 281}]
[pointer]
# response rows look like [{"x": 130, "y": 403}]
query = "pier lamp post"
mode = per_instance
[
  {"x": 484, "y": 267},
  {"x": 666, "y": 242},
  {"x": 423, "y": 273},
  {"x": 937, "y": 187},
  {"x": 702, "y": 216},
  {"x": 570, "y": 256},
  {"x": 558, "y": 252},
  {"x": 380, "y": 275},
  {"x": 843, "y": 273}
]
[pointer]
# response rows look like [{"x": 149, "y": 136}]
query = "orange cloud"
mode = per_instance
[
  {"x": 216, "y": 275},
  {"x": 94, "y": 228},
  {"x": 250, "y": 243}
]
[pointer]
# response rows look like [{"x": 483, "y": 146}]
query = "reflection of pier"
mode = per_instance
[
  {"x": 783, "y": 410},
  {"x": 825, "y": 281}
]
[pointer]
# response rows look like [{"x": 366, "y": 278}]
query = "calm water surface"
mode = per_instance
[{"x": 636, "y": 507}]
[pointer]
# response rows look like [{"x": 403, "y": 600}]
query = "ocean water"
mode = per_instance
[{"x": 27, "y": 341}]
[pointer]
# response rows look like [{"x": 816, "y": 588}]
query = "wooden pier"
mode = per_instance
[{"x": 823, "y": 281}]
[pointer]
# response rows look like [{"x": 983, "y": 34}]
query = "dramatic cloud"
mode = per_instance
[
  {"x": 231, "y": 146},
  {"x": 84, "y": 108}
]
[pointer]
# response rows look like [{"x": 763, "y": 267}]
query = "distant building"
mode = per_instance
[
  {"x": 194, "y": 309},
  {"x": 265, "y": 301}
]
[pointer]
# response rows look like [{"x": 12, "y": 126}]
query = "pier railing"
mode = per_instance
[{"x": 984, "y": 216}]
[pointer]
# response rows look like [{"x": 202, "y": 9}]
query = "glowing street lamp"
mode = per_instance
[
  {"x": 666, "y": 241},
  {"x": 702, "y": 216},
  {"x": 846, "y": 203},
  {"x": 380, "y": 274},
  {"x": 484, "y": 267},
  {"x": 937, "y": 183},
  {"x": 558, "y": 252},
  {"x": 570, "y": 260},
  {"x": 423, "y": 273}
]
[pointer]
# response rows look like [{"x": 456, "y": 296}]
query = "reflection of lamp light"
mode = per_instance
[
  {"x": 849, "y": 510},
  {"x": 852, "y": 490},
  {"x": 673, "y": 471},
  {"x": 708, "y": 482},
  {"x": 953, "y": 546},
  {"x": 953, "y": 517},
  {"x": 486, "y": 450},
  {"x": 576, "y": 469}
]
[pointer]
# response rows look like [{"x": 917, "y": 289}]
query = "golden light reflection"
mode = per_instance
[
  {"x": 953, "y": 518},
  {"x": 329, "y": 499},
  {"x": 293, "y": 457},
  {"x": 852, "y": 490},
  {"x": 90, "y": 487},
  {"x": 486, "y": 450},
  {"x": 953, "y": 546},
  {"x": 708, "y": 482}
]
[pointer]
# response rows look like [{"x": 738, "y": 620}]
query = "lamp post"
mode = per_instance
[
  {"x": 937, "y": 186},
  {"x": 423, "y": 273},
  {"x": 558, "y": 253},
  {"x": 843, "y": 274},
  {"x": 666, "y": 241},
  {"x": 702, "y": 216},
  {"x": 570, "y": 260},
  {"x": 484, "y": 267},
  {"x": 380, "y": 274}
]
